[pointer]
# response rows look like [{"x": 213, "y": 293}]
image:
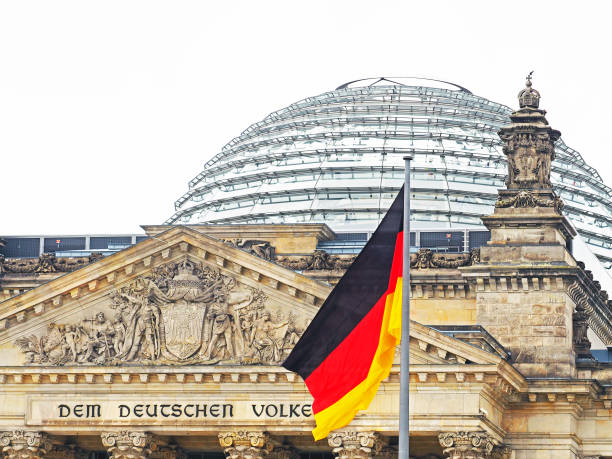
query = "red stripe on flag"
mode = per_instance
[{"x": 349, "y": 363}]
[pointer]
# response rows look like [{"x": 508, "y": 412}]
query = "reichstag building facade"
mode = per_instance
[{"x": 168, "y": 345}]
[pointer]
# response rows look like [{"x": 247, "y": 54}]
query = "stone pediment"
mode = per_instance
[
  {"x": 432, "y": 347},
  {"x": 179, "y": 298}
]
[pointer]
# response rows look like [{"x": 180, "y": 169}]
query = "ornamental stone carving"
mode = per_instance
[
  {"x": 529, "y": 143},
  {"x": 320, "y": 260},
  {"x": 261, "y": 249},
  {"x": 466, "y": 445},
  {"x": 528, "y": 199},
  {"x": 355, "y": 445},
  {"x": 46, "y": 263},
  {"x": 427, "y": 259},
  {"x": 127, "y": 444},
  {"x": 23, "y": 444},
  {"x": 181, "y": 313},
  {"x": 245, "y": 444}
]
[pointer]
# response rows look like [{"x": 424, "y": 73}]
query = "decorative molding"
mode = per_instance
[
  {"x": 24, "y": 444},
  {"x": 245, "y": 444},
  {"x": 129, "y": 444},
  {"x": 466, "y": 445},
  {"x": 427, "y": 259},
  {"x": 529, "y": 199},
  {"x": 355, "y": 445}
]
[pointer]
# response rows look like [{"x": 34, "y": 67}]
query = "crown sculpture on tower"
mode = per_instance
[
  {"x": 529, "y": 144},
  {"x": 523, "y": 274}
]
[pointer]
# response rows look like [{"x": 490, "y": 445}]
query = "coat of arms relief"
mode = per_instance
[{"x": 181, "y": 313}]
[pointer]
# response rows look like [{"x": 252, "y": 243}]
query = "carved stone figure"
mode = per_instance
[
  {"x": 267, "y": 338},
  {"x": 261, "y": 249},
  {"x": 46, "y": 263},
  {"x": 221, "y": 328},
  {"x": 180, "y": 313}
]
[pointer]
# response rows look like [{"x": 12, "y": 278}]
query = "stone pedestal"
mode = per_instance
[
  {"x": 23, "y": 444},
  {"x": 466, "y": 445},
  {"x": 245, "y": 444},
  {"x": 355, "y": 445},
  {"x": 129, "y": 444}
]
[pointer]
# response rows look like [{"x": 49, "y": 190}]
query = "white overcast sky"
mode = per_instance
[{"x": 109, "y": 108}]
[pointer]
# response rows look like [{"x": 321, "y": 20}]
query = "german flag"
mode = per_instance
[{"x": 349, "y": 346}]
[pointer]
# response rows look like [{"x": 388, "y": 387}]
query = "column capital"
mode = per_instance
[
  {"x": 354, "y": 444},
  {"x": 24, "y": 444},
  {"x": 466, "y": 445},
  {"x": 129, "y": 444},
  {"x": 243, "y": 444}
]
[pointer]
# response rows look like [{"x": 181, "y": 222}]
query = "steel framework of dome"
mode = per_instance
[{"x": 337, "y": 158}]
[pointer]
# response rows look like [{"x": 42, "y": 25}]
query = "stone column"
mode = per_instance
[
  {"x": 466, "y": 445},
  {"x": 23, "y": 444},
  {"x": 355, "y": 445},
  {"x": 245, "y": 444},
  {"x": 129, "y": 444}
]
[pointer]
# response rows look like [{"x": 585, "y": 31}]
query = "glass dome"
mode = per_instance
[{"x": 337, "y": 158}]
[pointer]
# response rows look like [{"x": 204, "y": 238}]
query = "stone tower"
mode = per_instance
[{"x": 526, "y": 272}]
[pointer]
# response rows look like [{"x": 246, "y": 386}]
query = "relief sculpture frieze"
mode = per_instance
[{"x": 180, "y": 313}]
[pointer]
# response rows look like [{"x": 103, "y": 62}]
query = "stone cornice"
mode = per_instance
[
  {"x": 147, "y": 375},
  {"x": 319, "y": 230}
]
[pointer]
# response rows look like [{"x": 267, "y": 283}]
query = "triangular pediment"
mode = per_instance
[
  {"x": 178, "y": 298},
  {"x": 432, "y": 347}
]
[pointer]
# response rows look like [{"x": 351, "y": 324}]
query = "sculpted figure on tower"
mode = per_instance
[{"x": 529, "y": 143}]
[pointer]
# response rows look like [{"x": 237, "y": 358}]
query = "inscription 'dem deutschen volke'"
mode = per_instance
[{"x": 179, "y": 410}]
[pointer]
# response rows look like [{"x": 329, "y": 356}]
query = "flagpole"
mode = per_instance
[{"x": 404, "y": 418}]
